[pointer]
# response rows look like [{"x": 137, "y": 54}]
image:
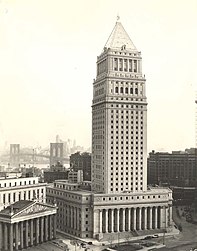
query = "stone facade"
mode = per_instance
[
  {"x": 25, "y": 224},
  {"x": 16, "y": 189},
  {"x": 86, "y": 214}
]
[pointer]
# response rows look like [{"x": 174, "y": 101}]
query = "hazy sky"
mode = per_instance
[{"x": 48, "y": 51}]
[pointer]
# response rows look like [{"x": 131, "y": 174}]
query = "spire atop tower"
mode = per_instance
[
  {"x": 119, "y": 38},
  {"x": 118, "y": 18}
]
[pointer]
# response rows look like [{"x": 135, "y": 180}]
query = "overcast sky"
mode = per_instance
[{"x": 48, "y": 51}]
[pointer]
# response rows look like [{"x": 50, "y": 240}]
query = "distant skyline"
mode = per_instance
[{"x": 48, "y": 52}]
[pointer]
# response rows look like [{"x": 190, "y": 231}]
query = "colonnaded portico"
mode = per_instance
[
  {"x": 25, "y": 224},
  {"x": 132, "y": 212},
  {"x": 134, "y": 218}
]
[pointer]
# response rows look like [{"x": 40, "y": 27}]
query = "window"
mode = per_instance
[
  {"x": 121, "y": 89},
  {"x": 130, "y": 65},
  {"x": 116, "y": 89},
  {"x": 136, "y": 90}
]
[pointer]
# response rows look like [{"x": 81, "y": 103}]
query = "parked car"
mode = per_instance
[
  {"x": 83, "y": 245},
  {"x": 148, "y": 237}
]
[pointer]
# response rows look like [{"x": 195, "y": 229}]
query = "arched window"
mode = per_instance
[
  {"x": 136, "y": 90},
  {"x": 121, "y": 89},
  {"x": 131, "y": 90},
  {"x": 126, "y": 90},
  {"x": 116, "y": 89}
]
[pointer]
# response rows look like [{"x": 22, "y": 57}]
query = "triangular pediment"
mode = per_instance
[{"x": 33, "y": 208}]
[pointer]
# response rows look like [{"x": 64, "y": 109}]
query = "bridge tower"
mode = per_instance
[
  {"x": 14, "y": 154},
  {"x": 56, "y": 153}
]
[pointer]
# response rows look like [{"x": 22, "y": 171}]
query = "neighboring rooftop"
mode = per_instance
[{"x": 17, "y": 206}]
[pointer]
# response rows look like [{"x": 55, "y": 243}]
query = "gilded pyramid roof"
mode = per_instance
[{"x": 119, "y": 39}]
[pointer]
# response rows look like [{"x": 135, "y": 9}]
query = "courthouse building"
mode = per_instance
[
  {"x": 120, "y": 201},
  {"x": 25, "y": 224}
]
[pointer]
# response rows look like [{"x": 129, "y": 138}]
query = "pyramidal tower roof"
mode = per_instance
[{"x": 119, "y": 38}]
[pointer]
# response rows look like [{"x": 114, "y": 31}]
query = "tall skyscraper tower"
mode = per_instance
[
  {"x": 120, "y": 203},
  {"x": 119, "y": 118}
]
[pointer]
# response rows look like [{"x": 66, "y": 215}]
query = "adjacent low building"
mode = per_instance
[
  {"x": 81, "y": 161},
  {"x": 178, "y": 168},
  {"x": 16, "y": 189},
  {"x": 51, "y": 176},
  {"x": 26, "y": 223}
]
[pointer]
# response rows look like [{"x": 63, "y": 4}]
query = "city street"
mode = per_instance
[{"x": 184, "y": 241}]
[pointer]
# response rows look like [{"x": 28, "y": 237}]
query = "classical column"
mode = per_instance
[
  {"x": 54, "y": 225},
  {"x": 112, "y": 220},
  {"x": 161, "y": 217},
  {"x": 100, "y": 221},
  {"x": 16, "y": 235},
  {"x": 50, "y": 227},
  {"x": 106, "y": 220},
  {"x": 46, "y": 228},
  {"x": 1, "y": 236},
  {"x": 123, "y": 219},
  {"x": 37, "y": 231},
  {"x": 26, "y": 233},
  {"x": 71, "y": 218},
  {"x": 21, "y": 235},
  {"x": 118, "y": 219},
  {"x": 75, "y": 218},
  {"x": 11, "y": 237},
  {"x": 145, "y": 218},
  {"x": 170, "y": 215},
  {"x": 31, "y": 232},
  {"x": 129, "y": 219},
  {"x": 140, "y": 219},
  {"x": 151, "y": 218},
  {"x": 134, "y": 218},
  {"x": 155, "y": 217},
  {"x": 137, "y": 62},
  {"x": 79, "y": 225},
  {"x": 166, "y": 224},
  {"x": 5, "y": 236},
  {"x": 41, "y": 229}
]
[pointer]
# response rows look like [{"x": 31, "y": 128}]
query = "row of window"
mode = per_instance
[
  {"x": 132, "y": 197},
  {"x": 126, "y": 90},
  {"x": 127, "y": 65},
  {"x": 57, "y": 192},
  {"x": 11, "y": 184},
  {"x": 123, "y": 189},
  {"x": 25, "y": 195}
]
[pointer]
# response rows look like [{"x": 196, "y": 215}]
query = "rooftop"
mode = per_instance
[
  {"x": 16, "y": 207},
  {"x": 119, "y": 39}
]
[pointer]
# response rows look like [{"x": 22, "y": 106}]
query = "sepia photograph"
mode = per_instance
[{"x": 98, "y": 125}]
